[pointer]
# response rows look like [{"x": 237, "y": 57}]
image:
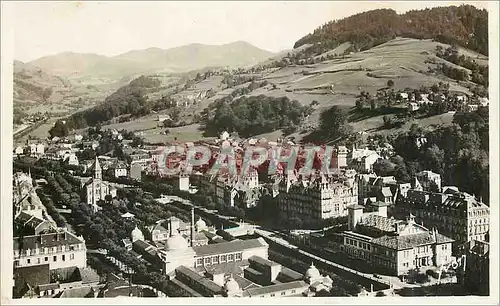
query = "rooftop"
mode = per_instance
[
  {"x": 275, "y": 288},
  {"x": 378, "y": 222},
  {"x": 45, "y": 240},
  {"x": 410, "y": 241},
  {"x": 262, "y": 261},
  {"x": 34, "y": 275},
  {"x": 229, "y": 247},
  {"x": 193, "y": 275},
  {"x": 234, "y": 267}
]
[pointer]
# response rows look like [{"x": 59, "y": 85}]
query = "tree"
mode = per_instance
[
  {"x": 390, "y": 83},
  {"x": 384, "y": 167},
  {"x": 434, "y": 158},
  {"x": 60, "y": 129},
  {"x": 47, "y": 92},
  {"x": 333, "y": 122}
]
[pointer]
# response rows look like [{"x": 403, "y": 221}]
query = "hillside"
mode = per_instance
[
  {"x": 152, "y": 60},
  {"x": 465, "y": 25},
  {"x": 36, "y": 90},
  {"x": 337, "y": 81}
]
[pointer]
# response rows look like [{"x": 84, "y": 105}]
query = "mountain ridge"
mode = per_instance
[{"x": 177, "y": 59}]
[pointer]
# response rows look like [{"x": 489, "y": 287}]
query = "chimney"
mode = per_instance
[
  {"x": 192, "y": 225},
  {"x": 396, "y": 227}
]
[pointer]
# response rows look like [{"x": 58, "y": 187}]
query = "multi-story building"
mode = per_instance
[
  {"x": 59, "y": 249},
  {"x": 456, "y": 214},
  {"x": 326, "y": 197},
  {"x": 396, "y": 246},
  {"x": 233, "y": 191}
]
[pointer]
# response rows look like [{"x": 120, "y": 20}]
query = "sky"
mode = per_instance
[{"x": 112, "y": 28}]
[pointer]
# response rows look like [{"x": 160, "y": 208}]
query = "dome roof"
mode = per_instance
[
  {"x": 231, "y": 285},
  {"x": 312, "y": 272},
  {"x": 176, "y": 242},
  {"x": 136, "y": 234},
  {"x": 200, "y": 224}
]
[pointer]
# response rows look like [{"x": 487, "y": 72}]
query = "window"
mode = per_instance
[
  {"x": 199, "y": 261},
  {"x": 283, "y": 293},
  {"x": 72, "y": 256},
  {"x": 238, "y": 256},
  {"x": 28, "y": 261},
  {"x": 46, "y": 258},
  {"x": 63, "y": 257},
  {"x": 272, "y": 294},
  {"x": 293, "y": 291},
  {"x": 54, "y": 258},
  {"x": 230, "y": 257},
  {"x": 207, "y": 261},
  {"x": 223, "y": 258},
  {"x": 38, "y": 260},
  {"x": 215, "y": 259},
  {"x": 16, "y": 263}
]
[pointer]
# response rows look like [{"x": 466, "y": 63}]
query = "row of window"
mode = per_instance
[
  {"x": 217, "y": 259},
  {"x": 360, "y": 244},
  {"x": 64, "y": 248},
  {"x": 45, "y": 259}
]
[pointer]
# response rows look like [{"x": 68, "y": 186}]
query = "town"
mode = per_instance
[
  {"x": 94, "y": 216},
  {"x": 222, "y": 151}
]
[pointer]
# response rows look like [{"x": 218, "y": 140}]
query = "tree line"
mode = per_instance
[{"x": 464, "y": 25}]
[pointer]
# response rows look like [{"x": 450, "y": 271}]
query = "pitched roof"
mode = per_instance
[
  {"x": 287, "y": 274},
  {"x": 45, "y": 240},
  {"x": 229, "y": 247},
  {"x": 234, "y": 267},
  {"x": 34, "y": 275},
  {"x": 410, "y": 241},
  {"x": 275, "y": 288},
  {"x": 243, "y": 282},
  {"x": 201, "y": 280},
  {"x": 378, "y": 222}
]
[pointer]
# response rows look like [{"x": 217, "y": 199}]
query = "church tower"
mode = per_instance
[{"x": 97, "y": 169}]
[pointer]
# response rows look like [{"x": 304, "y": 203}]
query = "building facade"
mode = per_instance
[
  {"x": 395, "y": 246},
  {"x": 319, "y": 200},
  {"x": 59, "y": 249},
  {"x": 454, "y": 213}
]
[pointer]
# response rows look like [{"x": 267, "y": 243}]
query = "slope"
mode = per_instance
[{"x": 152, "y": 60}]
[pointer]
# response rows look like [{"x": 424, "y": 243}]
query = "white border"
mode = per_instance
[{"x": 6, "y": 280}]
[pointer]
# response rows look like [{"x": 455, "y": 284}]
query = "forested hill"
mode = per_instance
[{"x": 463, "y": 25}]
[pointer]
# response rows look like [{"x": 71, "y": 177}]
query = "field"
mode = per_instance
[{"x": 332, "y": 82}]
